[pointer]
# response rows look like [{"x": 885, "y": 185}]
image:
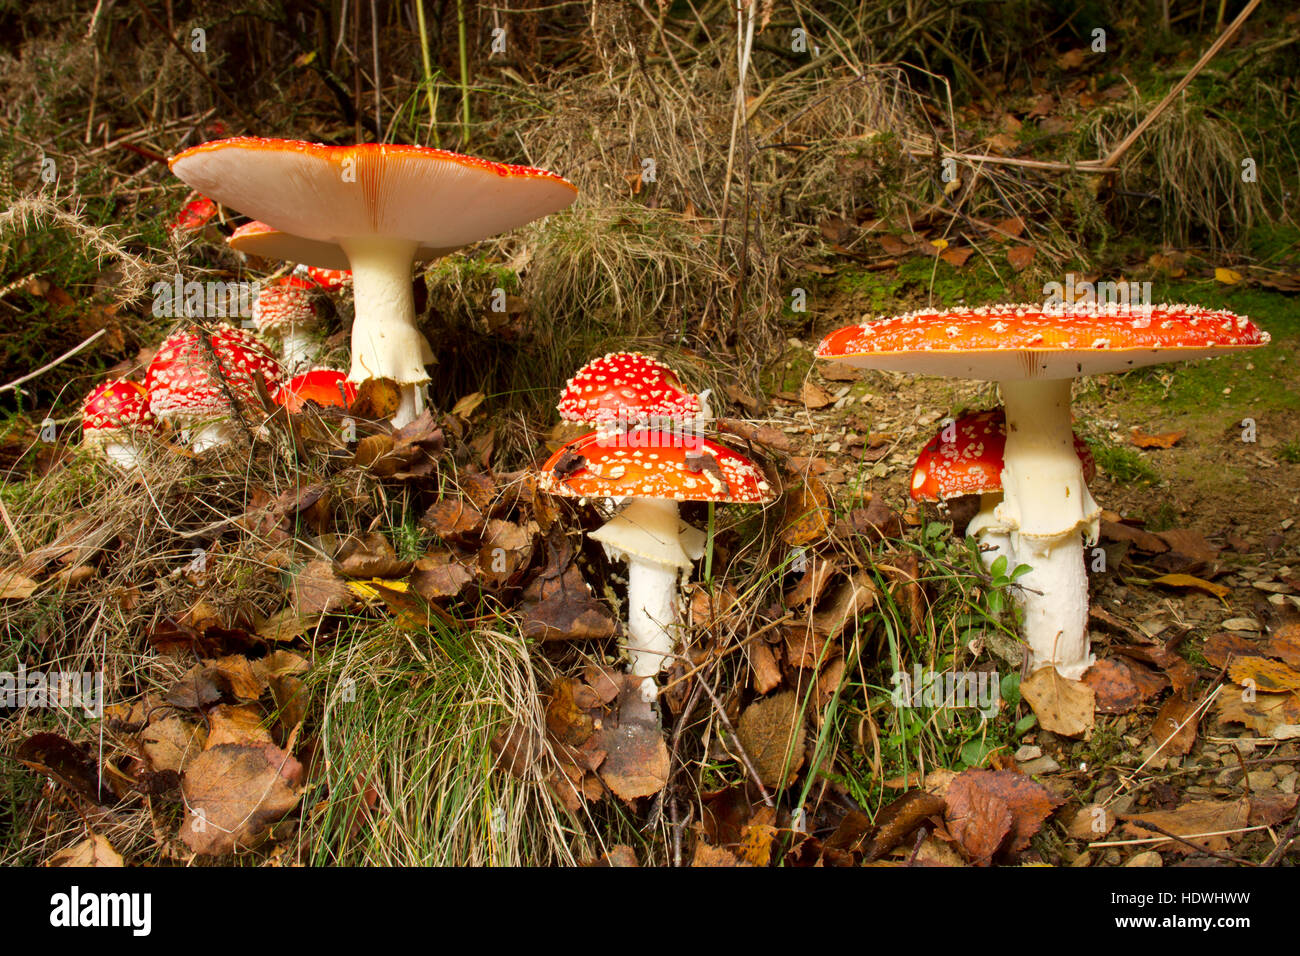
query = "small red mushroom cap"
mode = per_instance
[
  {"x": 331, "y": 280},
  {"x": 114, "y": 406},
  {"x": 644, "y": 463},
  {"x": 195, "y": 214},
  {"x": 626, "y": 388},
  {"x": 284, "y": 305},
  {"x": 325, "y": 386},
  {"x": 185, "y": 385},
  {"x": 971, "y": 464}
]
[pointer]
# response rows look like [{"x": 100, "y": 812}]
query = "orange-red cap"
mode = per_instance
[{"x": 643, "y": 463}]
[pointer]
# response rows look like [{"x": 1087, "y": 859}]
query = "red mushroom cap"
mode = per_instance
[
  {"x": 325, "y": 386},
  {"x": 284, "y": 304},
  {"x": 116, "y": 405},
  {"x": 1008, "y": 342},
  {"x": 644, "y": 463},
  {"x": 626, "y": 388},
  {"x": 331, "y": 280},
  {"x": 195, "y": 214},
  {"x": 971, "y": 464},
  {"x": 184, "y": 385}
]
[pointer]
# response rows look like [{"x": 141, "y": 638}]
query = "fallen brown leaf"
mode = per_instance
[{"x": 1063, "y": 706}]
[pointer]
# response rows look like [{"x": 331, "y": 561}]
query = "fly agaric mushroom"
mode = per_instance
[
  {"x": 384, "y": 207},
  {"x": 331, "y": 280},
  {"x": 326, "y": 387},
  {"x": 1033, "y": 353},
  {"x": 195, "y": 214},
  {"x": 965, "y": 458},
  {"x": 655, "y": 471},
  {"x": 284, "y": 311},
  {"x": 190, "y": 390},
  {"x": 626, "y": 389},
  {"x": 112, "y": 415}
]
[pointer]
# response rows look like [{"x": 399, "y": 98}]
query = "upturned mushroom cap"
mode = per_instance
[
  {"x": 326, "y": 387},
  {"x": 653, "y": 464},
  {"x": 327, "y": 258},
  {"x": 1007, "y": 342},
  {"x": 438, "y": 199},
  {"x": 285, "y": 305},
  {"x": 971, "y": 464},
  {"x": 258, "y": 239},
  {"x": 184, "y": 384},
  {"x": 113, "y": 407},
  {"x": 626, "y": 388}
]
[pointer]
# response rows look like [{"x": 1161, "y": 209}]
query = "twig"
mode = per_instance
[
  {"x": 1155, "y": 828},
  {"x": 1160, "y": 839},
  {"x": 1083, "y": 166},
  {"x": 1181, "y": 85},
  {"x": 740, "y": 748},
  {"x": 45, "y": 368}
]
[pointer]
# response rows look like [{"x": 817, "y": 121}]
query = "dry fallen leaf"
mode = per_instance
[
  {"x": 1266, "y": 714},
  {"x": 772, "y": 732},
  {"x": 1190, "y": 819},
  {"x": 92, "y": 851},
  {"x": 807, "y": 515},
  {"x": 1020, "y": 257},
  {"x": 990, "y": 808},
  {"x": 1272, "y": 677},
  {"x": 1226, "y": 276},
  {"x": 234, "y": 794},
  {"x": 1162, "y": 440},
  {"x": 1174, "y": 729},
  {"x": 1063, "y": 706},
  {"x": 1188, "y": 581}
]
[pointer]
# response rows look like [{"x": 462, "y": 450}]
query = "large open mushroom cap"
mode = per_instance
[
  {"x": 971, "y": 463},
  {"x": 644, "y": 463},
  {"x": 439, "y": 199},
  {"x": 258, "y": 239},
  {"x": 625, "y": 388},
  {"x": 1008, "y": 342}
]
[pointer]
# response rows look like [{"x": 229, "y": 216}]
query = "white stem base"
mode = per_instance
[
  {"x": 122, "y": 453},
  {"x": 297, "y": 351},
  {"x": 994, "y": 540},
  {"x": 209, "y": 435},
  {"x": 1049, "y": 510}
]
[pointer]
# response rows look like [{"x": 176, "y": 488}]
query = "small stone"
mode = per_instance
[
  {"x": 1083, "y": 859},
  {"x": 1041, "y": 765},
  {"x": 1227, "y": 776},
  {"x": 1240, "y": 624},
  {"x": 1261, "y": 779},
  {"x": 1028, "y": 752},
  {"x": 1281, "y": 770},
  {"x": 1148, "y": 858},
  {"x": 1288, "y": 783}
]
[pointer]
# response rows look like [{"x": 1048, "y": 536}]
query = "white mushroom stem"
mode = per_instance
[
  {"x": 1048, "y": 505},
  {"x": 994, "y": 540},
  {"x": 297, "y": 350},
  {"x": 120, "y": 449},
  {"x": 207, "y": 435},
  {"x": 659, "y": 548},
  {"x": 385, "y": 340}
]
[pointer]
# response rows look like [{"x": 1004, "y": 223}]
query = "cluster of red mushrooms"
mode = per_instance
[{"x": 366, "y": 214}]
